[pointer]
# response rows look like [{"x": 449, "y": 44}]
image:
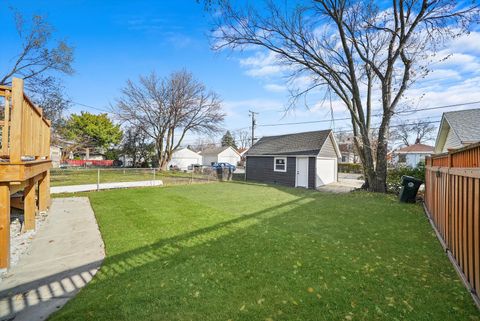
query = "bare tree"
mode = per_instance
[
  {"x": 166, "y": 109},
  {"x": 39, "y": 62},
  {"x": 242, "y": 137},
  {"x": 419, "y": 130},
  {"x": 359, "y": 51},
  {"x": 203, "y": 143}
]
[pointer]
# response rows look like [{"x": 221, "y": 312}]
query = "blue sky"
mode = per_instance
[{"x": 119, "y": 40}]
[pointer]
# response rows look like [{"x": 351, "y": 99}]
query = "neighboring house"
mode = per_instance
[
  {"x": 89, "y": 154},
  {"x": 348, "y": 153},
  {"x": 92, "y": 155},
  {"x": 224, "y": 154},
  {"x": 458, "y": 129},
  {"x": 184, "y": 158},
  {"x": 55, "y": 155},
  {"x": 127, "y": 161},
  {"x": 411, "y": 155},
  {"x": 299, "y": 160},
  {"x": 347, "y": 148},
  {"x": 242, "y": 152}
]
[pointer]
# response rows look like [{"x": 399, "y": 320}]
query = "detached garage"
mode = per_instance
[
  {"x": 306, "y": 160},
  {"x": 184, "y": 158},
  {"x": 225, "y": 154}
]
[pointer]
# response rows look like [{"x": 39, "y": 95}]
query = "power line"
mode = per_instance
[
  {"x": 375, "y": 115},
  {"x": 91, "y": 107},
  {"x": 398, "y": 125},
  {"x": 438, "y": 107}
]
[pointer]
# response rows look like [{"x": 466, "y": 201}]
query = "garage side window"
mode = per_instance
[{"x": 280, "y": 164}]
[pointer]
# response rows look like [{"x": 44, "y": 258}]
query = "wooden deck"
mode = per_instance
[{"x": 24, "y": 162}]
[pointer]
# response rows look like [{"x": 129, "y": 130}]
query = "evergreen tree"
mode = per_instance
[{"x": 228, "y": 140}]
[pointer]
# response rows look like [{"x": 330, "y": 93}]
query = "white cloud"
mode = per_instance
[
  {"x": 275, "y": 88},
  {"x": 467, "y": 43},
  {"x": 263, "y": 64},
  {"x": 235, "y": 108}
]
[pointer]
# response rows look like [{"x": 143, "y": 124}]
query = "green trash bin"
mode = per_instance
[{"x": 409, "y": 190}]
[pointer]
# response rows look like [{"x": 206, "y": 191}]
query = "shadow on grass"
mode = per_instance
[{"x": 62, "y": 285}]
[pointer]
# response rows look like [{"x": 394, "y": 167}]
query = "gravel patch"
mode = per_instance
[{"x": 20, "y": 241}]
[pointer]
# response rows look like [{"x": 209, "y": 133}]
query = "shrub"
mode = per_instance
[
  {"x": 394, "y": 177},
  {"x": 350, "y": 168}
]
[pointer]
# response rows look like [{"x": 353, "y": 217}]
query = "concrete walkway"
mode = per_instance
[
  {"x": 65, "y": 254},
  {"x": 346, "y": 183},
  {"x": 94, "y": 187}
]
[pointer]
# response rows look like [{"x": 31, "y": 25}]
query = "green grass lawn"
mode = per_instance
[
  {"x": 236, "y": 251},
  {"x": 78, "y": 176}
]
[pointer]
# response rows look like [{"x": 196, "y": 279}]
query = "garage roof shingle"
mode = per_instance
[{"x": 307, "y": 143}]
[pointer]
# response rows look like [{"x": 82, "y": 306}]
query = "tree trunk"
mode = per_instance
[{"x": 374, "y": 168}]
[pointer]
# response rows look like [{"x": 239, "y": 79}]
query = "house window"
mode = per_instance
[
  {"x": 280, "y": 164},
  {"x": 402, "y": 158}
]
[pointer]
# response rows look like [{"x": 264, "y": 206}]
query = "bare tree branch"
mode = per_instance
[
  {"x": 166, "y": 109},
  {"x": 353, "y": 48}
]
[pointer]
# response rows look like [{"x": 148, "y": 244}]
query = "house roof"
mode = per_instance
[
  {"x": 344, "y": 147},
  {"x": 465, "y": 123},
  {"x": 416, "y": 149},
  {"x": 242, "y": 150},
  {"x": 185, "y": 149},
  {"x": 214, "y": 150},
  {"x": 307, "y": 143}
]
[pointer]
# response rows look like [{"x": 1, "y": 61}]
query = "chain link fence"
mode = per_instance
[{"x": 81, "y": 176}]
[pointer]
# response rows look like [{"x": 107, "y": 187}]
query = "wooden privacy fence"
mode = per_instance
[
  {"x": 452, "y": 201},
  {"x": 24, "y": 161}
]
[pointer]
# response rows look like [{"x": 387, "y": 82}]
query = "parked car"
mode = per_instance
[{"x": 224, "y": 165}]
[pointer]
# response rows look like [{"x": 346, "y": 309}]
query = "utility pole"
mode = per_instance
[{"x": 254, "y": 123}]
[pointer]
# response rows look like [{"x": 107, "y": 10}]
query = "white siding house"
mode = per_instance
[
  {"x": 184, "y": 158},
  {"x": 224, "y": 154},
  {"x": 411, "y": 155}
]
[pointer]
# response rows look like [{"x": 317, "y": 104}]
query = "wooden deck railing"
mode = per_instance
[
  {"x": 25, "y": 132},
  {"x": 24, "y": 161},
  {"x": 452, "y": 201}
]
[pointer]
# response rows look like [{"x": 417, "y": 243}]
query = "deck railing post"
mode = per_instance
[
  {"x": 29, "y": 207},
  {"x": 4, "y": 225},
  {"x": 44, "y": 192},
  {"x": 16, "y": 141}
]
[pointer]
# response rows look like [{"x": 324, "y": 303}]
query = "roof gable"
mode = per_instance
[
  {"x": 464, "y": 124},
  {"x": 184, "y": 152},
  {"x": 416, "y": 149},
  {"x": 217, "y": 150},
  {"x": 214, "y": 150},
  {"x": 307, "y": 143}
]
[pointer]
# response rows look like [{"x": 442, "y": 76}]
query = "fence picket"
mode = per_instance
[{"x": 452, "y": 201}]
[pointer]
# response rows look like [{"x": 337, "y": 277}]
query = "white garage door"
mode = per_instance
[{"x": 326, "y": 171}]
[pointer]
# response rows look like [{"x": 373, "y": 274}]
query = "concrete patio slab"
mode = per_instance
[
  {"x": 64, "y": 255},
  {"x": 346, "y": 183},
  {"x": 94, "y": 187}
]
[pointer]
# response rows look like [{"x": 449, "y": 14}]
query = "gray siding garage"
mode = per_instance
[{"x": 306, "y": 160}]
